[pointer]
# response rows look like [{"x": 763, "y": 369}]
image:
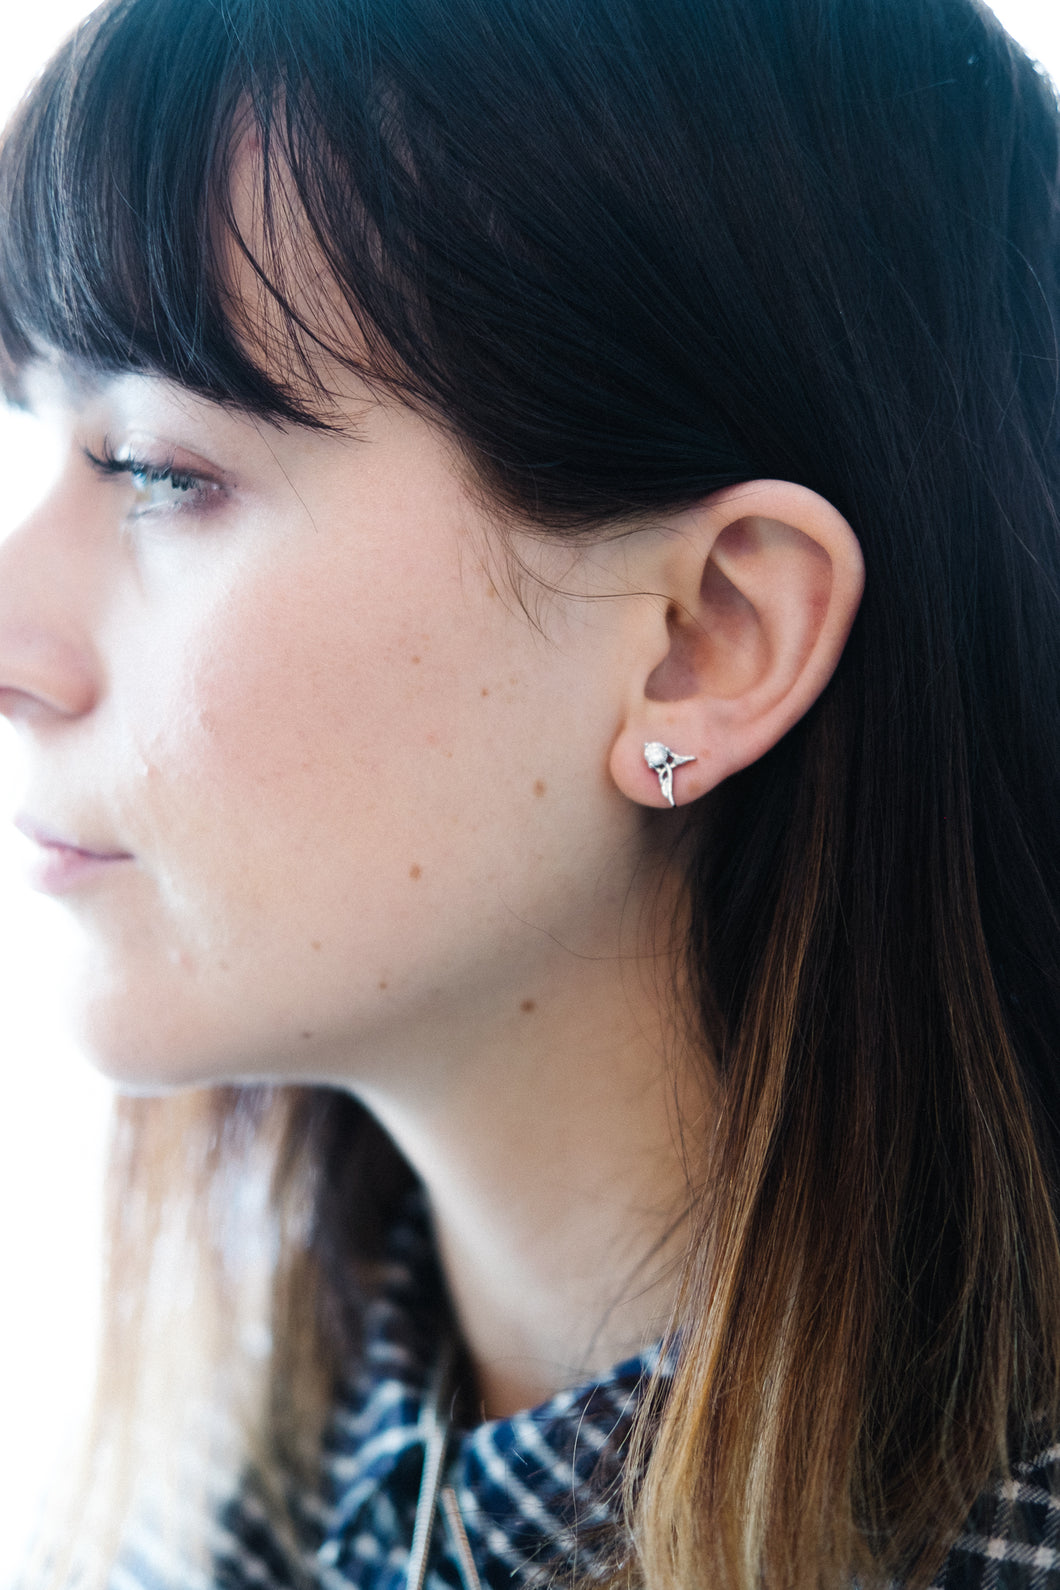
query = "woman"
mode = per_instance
[{"x": 539, "y": 675}]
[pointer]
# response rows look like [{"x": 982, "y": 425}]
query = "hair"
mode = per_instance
[{"x": 629, "y": 252}]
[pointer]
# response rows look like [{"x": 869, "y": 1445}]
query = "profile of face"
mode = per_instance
[
  {"x": 334, "y": 772},
  {"x": 334, "y": 769},
  {"x": 346, "y": 794}
]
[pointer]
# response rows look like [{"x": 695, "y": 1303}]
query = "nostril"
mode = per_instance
[
  {"x": 39, "y": 681},
  {"x": 13, "y": 703}
]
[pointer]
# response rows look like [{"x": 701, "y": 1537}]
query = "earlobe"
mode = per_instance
[{"x": 762, "y": 583}]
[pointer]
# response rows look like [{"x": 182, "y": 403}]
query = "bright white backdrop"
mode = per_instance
[{"x": 52, "y": 1108}]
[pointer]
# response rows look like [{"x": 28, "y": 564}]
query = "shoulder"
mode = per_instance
[{"x": 1012, "y": 1538}]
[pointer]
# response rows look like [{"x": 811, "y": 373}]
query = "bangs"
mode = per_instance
[
  {"x": 257, "y": 198},
  {"x": 119, "y": 244}
]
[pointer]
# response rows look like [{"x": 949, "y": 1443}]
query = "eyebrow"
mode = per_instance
[{"x": 76, "y": 380}]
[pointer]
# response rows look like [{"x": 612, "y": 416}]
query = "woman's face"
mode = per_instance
[{"x": 346, "y": 796}]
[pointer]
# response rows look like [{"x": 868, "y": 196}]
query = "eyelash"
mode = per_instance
[{"x": 197, "y": 487}]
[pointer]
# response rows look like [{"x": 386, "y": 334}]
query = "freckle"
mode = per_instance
[
  {"x": 539, "y": 786},
  {"x": 415, "y": 871},
  {"x": 415, "y": 659},
  {"x": 315, "y": 944},
  {"x": 528, "y": 1005},
  {"x": 307, "y": 1035},
  {"x": 384, "y": 984}
]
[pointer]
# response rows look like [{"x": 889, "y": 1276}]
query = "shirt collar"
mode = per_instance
[{"x": 533, "y": 1489}]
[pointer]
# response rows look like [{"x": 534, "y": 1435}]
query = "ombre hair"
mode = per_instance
[{"x": 629, "y": 252}]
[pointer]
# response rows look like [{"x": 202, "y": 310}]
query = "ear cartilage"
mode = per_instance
[{"x": 662, "y": 761}]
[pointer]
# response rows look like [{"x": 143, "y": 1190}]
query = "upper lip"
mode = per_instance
[{"x": 48, "y": 839}]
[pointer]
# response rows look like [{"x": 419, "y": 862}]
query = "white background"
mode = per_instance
[{"x": 52, "y": 1107}]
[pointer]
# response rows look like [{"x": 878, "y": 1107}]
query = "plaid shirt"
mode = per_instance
[{"x": 536, "y": 1492}]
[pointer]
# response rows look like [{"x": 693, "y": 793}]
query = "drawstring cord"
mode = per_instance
[
  {"x": 435, "y": 1427},
  {"x": 465, "y": 1562}
]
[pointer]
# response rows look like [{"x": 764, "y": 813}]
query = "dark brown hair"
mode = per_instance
[{"x": 629, "y": 252}]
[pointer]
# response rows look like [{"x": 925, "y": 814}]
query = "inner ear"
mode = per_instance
[{"x": 720, "y": 646}]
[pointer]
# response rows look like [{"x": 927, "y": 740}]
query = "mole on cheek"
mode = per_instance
[
  {"x": 539, "y": 787},
  {"x": 307, "y": 1035},
  {"x": 315, "y": 944},
  {"x": 527, "y": 1006},
  {"x": 384, "y": 985},
  {"x": 415, "y": 871}
]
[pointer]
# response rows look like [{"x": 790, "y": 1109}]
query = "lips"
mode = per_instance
[
  {"x": 61, "y": 864},
  {"x": 48, "y": 840}
]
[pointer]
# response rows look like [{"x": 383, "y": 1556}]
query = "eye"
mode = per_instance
[
  {"x": 157, "y": 487},
  {"x": 164, "y": 487}
]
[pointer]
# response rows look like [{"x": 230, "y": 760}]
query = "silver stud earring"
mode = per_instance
[{"x": 662, "y": 761}]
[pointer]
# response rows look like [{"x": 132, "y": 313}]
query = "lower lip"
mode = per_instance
[{"x": 57, "y": 869}]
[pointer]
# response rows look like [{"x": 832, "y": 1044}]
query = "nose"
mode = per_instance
[{"x": 49, "y": 670}]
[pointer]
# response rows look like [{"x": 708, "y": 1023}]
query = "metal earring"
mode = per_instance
[{"x": 662, "y": 761}]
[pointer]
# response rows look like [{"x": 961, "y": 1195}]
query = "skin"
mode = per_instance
[{"x": 380, "y": 829}]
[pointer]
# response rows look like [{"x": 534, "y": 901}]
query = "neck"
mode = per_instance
[{"x": 558, "y": 1188}]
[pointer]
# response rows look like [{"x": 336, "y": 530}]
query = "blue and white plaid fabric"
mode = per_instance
[
  {"x": 533, "y": 1490},
  {"x": 537, "y": 1492},
  {"x": 1012, "y": 1539}
]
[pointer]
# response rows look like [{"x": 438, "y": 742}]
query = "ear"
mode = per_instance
[{"x": 760, "y": 584}]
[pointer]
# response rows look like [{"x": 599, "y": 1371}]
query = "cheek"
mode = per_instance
[
  {"x": 341, "y": 805},
  {"x": 288, "y": 725},
  {"x": 323, "y": 767},
  {"x": 286, "y": 841}
]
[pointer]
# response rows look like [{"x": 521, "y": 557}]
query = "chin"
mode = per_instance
[
  {"x": 141, "y": 1070},
  {"x": 140, "y": 1055}
]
